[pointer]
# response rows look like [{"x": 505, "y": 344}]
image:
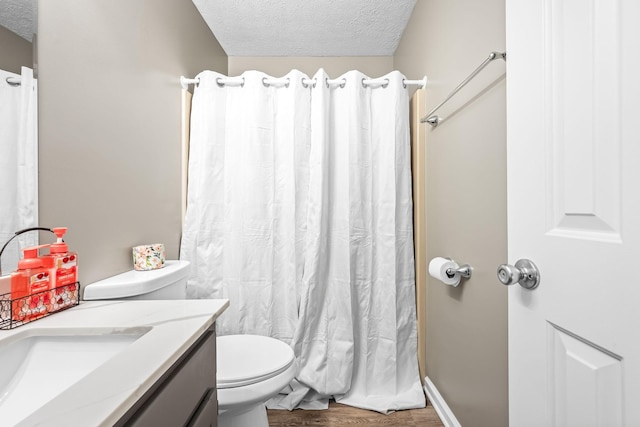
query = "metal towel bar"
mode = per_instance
[{"x": 432, "y": 118}]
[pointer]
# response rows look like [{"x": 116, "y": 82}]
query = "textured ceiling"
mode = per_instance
[
  {"x": 307, "y": 27},
  {"x": 278, "y": 27},
  {"x": 19, "y": 16}
]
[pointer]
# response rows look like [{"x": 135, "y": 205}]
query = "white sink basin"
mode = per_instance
[{"x": 38, "y": 364}]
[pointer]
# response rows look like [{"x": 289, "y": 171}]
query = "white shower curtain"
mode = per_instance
[
  {"x": 299, "y": 211},
  {"x": 244, "y": 230},
  {"x": 18, "y": 163}
]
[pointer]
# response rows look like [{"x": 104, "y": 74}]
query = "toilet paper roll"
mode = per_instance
[
  {"x": 438, "y": 270},
  {"x": 148, "y": 257}
]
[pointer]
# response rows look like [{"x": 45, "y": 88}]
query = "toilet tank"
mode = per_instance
[{"x": 169, "y": 282}]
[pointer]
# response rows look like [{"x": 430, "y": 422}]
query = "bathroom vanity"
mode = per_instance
[
  {"x": 105, "y": 363},
  {"x": 186, "y": 393}
]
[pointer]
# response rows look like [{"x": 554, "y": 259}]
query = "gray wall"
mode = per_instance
[
  {"x": 14, "y": 51},
  {"x": 110, "y": 125},
  {"x": 373, "y": 66},
  {"x": 466, "y": 201}
]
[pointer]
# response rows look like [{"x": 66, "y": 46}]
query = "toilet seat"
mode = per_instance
[{"x": 248, "y": 359}]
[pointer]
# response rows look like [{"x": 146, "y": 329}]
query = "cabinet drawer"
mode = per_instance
[
  {"x": 207, "y": 413},
  {"x": 183, "y": 392}
]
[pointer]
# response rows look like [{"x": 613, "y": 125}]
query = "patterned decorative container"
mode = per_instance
[{"x": 148, "y": 257}]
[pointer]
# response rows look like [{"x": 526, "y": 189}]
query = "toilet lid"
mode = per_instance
[{"x": 247, "y": 359}]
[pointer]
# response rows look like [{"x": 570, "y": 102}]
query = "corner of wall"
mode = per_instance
[{"x": 447, "y": 44}]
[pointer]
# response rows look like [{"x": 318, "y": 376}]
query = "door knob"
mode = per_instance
[{"x": 524, "y": 272}]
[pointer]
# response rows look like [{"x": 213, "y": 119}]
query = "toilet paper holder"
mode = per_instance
[{"x": 464, "y": 271}]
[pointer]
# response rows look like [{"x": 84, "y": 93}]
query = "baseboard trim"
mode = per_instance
[{"x": 441, "y": 407}]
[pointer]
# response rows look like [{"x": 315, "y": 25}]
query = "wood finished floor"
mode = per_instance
[{"x": 345, "y": 416}]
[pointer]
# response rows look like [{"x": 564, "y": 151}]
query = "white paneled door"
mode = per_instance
[{"x": 573, "y": 137}]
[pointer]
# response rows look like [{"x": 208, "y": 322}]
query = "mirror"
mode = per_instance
[{"x": 18, "y": 128}]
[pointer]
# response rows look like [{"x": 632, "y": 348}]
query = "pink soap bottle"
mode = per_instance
[
  {"x": 30, "y": 285},
  {"x": 65, "y": 269}
]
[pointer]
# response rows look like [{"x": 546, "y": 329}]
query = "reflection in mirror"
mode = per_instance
[{"x": 18, "y": 129}]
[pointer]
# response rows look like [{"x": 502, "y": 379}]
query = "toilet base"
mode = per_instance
[{"x": 248, "y": 416}]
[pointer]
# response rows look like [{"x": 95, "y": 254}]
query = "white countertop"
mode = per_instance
[{"x": 103, "y": 396}]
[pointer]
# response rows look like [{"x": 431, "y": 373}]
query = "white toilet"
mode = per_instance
[{"x": 250, "y": 368}]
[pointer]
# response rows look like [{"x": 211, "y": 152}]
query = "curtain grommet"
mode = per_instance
[{"x": 10, "y": 82}]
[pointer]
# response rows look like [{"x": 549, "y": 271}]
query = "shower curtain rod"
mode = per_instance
[
  {"x": 432, "y": 118},
  {"x": 239, "y": 81}
]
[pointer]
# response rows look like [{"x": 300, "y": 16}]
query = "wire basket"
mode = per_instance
[{"x": 19, "y": 311}]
